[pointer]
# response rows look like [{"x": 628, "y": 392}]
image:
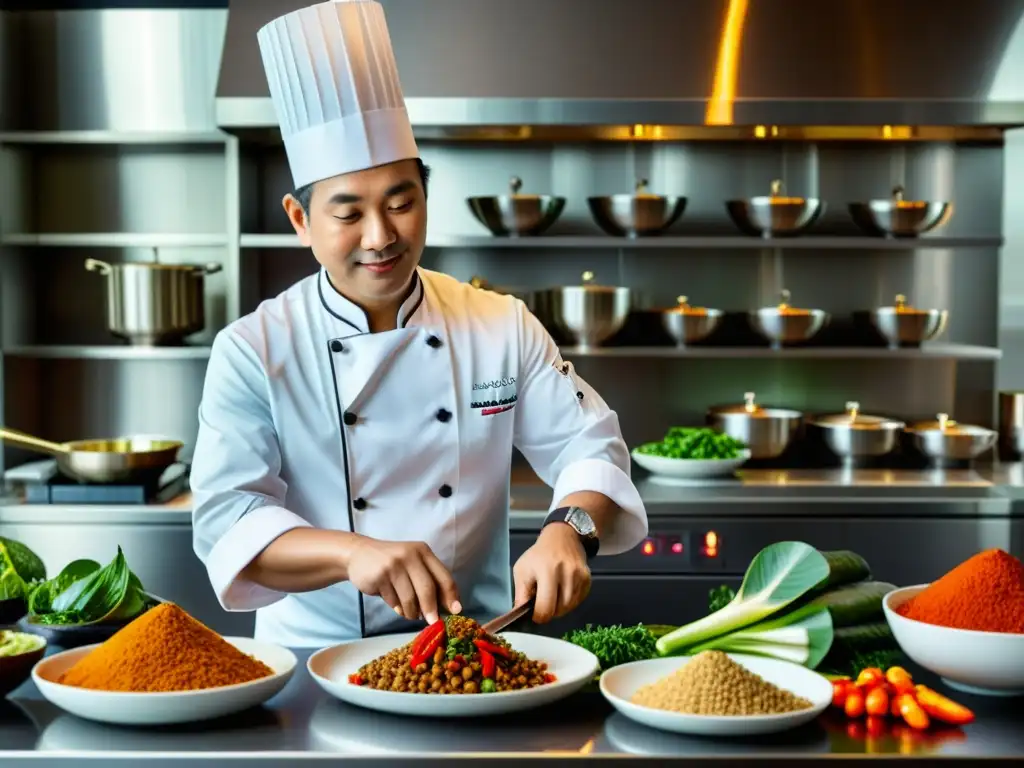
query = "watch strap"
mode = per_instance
[{"x": 591, "y": 543}]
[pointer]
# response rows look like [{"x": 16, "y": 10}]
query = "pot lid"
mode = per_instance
[
  {"x": 750, "y": 408},
  {"x": 948, "y": 426},
  {"x": 902, "y": 307},
  {"x": 852, "y": 417},
  {"x": 897, "y": 200},
  {"x": 682, "y": 307},
  {"x": 587, "y": 284},
  {"x": 784, "y": 308},
  {"x": 777, "y": 198},
  {"x": 514, "y": 185},
  {"x": 641, "y": 192}
]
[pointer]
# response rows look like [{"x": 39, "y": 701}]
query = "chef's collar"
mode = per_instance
[{"x": 353, "y": 315}]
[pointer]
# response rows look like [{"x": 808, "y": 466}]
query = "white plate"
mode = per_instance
[
  {"x": 689, "y": 469},
  {"x": 985, "y": 663},
  {"x": 572, "y": 666},
  {"x": 618, "y": 685},
  {"x": 164, "y": 708}
]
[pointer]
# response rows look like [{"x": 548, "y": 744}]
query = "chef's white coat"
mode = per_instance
[{"x": 308, "y": 419}]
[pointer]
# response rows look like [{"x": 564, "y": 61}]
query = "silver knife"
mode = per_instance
[{"x": 494, "y": 626}]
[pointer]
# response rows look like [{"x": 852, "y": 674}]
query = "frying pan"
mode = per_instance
[{"x": 117, "y": 460}]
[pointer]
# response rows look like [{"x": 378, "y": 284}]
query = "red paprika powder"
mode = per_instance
[{"x": 984, "y": 593}]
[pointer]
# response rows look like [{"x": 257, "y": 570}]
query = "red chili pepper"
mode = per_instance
[
  {"x": 356, "y": 679},
  {"x": 487, "y": 663},
  {"x": 494, "y": 650},
  {"x": 549, "y": 678},
  {"x": 426, "y": 635},
  {"x": 428, "y": 649}
]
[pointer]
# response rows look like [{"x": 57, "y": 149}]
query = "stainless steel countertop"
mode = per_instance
[
  {"x": 988, "y": 489},
  {"x": 304, "y": 724}
]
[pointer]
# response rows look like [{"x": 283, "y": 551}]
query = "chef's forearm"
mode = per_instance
[
  {"x": 302, "y": 560},
  {"x": 601, "y": 509}
]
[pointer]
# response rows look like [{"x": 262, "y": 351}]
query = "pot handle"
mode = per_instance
[
  {"x": 95, "y": 265},
  {"x": 208, "y": 269}
]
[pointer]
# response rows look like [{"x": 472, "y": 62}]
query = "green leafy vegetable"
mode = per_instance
[
  {"x": 86, "y": 593},
  {"x": 20, "y": 568},
  {"x": 854, "y": 603},
  {"x": 458, "y": 647},
  {"x": 777, "y": 576},
  {"x": 694, "y": 443},
  {"x": 719, "y": 597},
  {"x": 615, "y": 644},
  {"x": 803, "y": 637}
]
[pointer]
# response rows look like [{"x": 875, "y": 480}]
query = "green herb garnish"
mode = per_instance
[
  {"x": 458, "y": 647},
  {"x": 616, "y": 644},
  {"x": 701, "y": 443}
]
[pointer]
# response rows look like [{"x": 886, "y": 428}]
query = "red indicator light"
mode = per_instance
[
  {"x": 648, "y": 547},
  {"x": 677, "y": 547}
]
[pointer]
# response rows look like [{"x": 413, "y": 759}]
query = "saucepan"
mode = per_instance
[
  {"x": 638, "y": 215},
  {"x": 775, "y": 215},
  {"x": 898, "y": 217},
  {"x": 111, "y": 461},
  {"x": 516, "y": 214}
]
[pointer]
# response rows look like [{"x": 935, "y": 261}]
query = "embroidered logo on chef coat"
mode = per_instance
[{"x": 495, "y": 396}]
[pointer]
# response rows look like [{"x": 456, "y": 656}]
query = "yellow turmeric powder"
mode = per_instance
[{"x": 164, "y": 649}]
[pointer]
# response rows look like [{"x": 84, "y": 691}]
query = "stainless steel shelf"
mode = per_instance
[
  {"x": 116, "y": 240},
  {"x": 109, "y": 352},
  {"x": 734, "y": 242},
  {"x": 113, "y": 137},
  {"x": 928, "y": 351}
]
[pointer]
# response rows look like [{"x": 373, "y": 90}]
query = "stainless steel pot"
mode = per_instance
[
  {"x": 943, "y": 440},
  {"x": 775, "y": 215},
  {"x": 152, "y": 304},
  {"x": 898, "y": 217},
  {"x": 588, "y": 314},
  {"x": 514, "y": 214},
  {"x": 687, "y": 324},
  {"x": 902, "y": 325},
  {"x": 111, "y": 461},
  {"x": 638, "y": 215},
  {"x": 784, "y": 324},
  {"x": 767, "y": 432},
  {"x": 853, "y": 436},
  {"x": 1011, "y": 426}
]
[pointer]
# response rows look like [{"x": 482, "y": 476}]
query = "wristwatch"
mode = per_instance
[{"x": 577, "y": 519}]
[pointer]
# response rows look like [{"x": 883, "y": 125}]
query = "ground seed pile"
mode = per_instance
[
  {"x": 164, "y": 649},
  {"x": 713, "y": 684}
]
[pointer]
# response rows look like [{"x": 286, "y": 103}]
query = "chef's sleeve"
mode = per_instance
[
  {"x": 570, "y": 436},
  {"x": 237, "y": 491}
]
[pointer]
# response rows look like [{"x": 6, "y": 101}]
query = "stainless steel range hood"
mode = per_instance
[{"x": 562, "y": 63}]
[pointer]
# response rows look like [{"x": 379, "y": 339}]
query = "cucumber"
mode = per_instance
[
  {"x": 845, "y": 567},
  {"x": 855, "y": 603},
  {"x": 864, "y": 637}
]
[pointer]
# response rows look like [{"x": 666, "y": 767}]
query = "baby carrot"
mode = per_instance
[
  {"x": 854, "y": 706},
  {"x": 912, "y": 713},
  {"x": 877, "y": 702},
  {"x": 941, "y": 708},
  {"x": 899, "y": 679}
]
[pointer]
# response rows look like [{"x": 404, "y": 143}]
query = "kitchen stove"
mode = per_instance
[{"x": 57, "y": 489}]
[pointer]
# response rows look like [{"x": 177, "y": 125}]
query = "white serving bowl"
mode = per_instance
[
  {"x": 669, "y": 470},
  {"x": 164, "y": 708},
  {"x": 618, "y": 685},
  {"x": 984, "y": 663}
]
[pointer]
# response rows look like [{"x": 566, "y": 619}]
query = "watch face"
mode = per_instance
[{"x": 581, "y": 521}]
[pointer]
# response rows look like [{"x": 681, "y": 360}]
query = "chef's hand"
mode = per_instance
[
  {"x": 554, "y": 571},
  {"x": 406, "y": 575}
]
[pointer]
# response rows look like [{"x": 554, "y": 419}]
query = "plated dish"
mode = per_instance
[
  {"x": 453, "y": 669},
  {"x": 164, "y": 667},
  {"x": 717, "y": 694}
]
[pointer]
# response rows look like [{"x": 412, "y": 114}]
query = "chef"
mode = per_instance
[{"x": 351, "y": 471}]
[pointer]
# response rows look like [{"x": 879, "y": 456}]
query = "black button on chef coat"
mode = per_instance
[
  {"x": 433, "y": 341},
  {"x": 444, "y": 415},
  {"x": 445, "y": 491},
  {"x": 350, "y": 418},
  {"x": 359, "y": 504},
  {"x": 336, "y": 346}
]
